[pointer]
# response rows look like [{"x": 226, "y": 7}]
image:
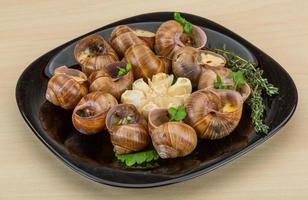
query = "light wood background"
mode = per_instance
[{"x": 277, "y": 169}]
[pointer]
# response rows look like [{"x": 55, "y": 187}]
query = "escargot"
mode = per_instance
[
  {"x": 147, "y": 36},
  {"x": 93, "y": 53},
  {"x": 171, "y": 139},
  {"x": 109, "y": 80},
  {"x": 170, "y": 37},
  {"x": 185, "y": 63},
  {"x": 145, "y": 63},
  {"x": 123, "y": 37},
  {"x": 209, "y": 75},
  {"x": 89, "y": 116},
  {"x": 66, "y": 87},
  {"x": 213, "y": 113},
  {"x": 128, "y": 129}
]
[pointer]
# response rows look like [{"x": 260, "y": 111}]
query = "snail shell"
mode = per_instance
[
  {"x": 214, "y": 114},
  {"x": 170, "y": 37},
  {"x": 208, "y": 77},
  {"x": 123, "y": 37},
  {"x": 145, "y": 63},
  {"x": 66, "y": 87},
  {"x": 127, "y": 128},
  {"x": 120, "y": 30},
  {"x": 185, "y": 63},
  {"x": 170, "y": 139},
  {"x": 147, "y": 36},
  {"x": 89, "y": 116},
  {"x": 93, "y": 53},
  {"x": 108, "y": 80}
]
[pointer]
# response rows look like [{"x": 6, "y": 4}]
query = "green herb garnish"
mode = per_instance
[
  {"x": 238, "y": 78},
  {"x": 186, "y": 25},
  {"x": 219, "y": 84},
  {"x": 123, "y": 71},
  {"x": 177, "y": 114},
  {"x": 258, "y": 84},
  {"x": 138, "y": 158}
]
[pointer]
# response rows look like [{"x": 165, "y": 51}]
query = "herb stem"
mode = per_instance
[{"x": 258, "y": 84}]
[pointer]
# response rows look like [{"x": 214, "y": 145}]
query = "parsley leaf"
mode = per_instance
[
  {"x": 186, "y": 25},
  {"x": 177, "y": 114},
  {"x": 138, "y": 158},
  {"x": 238, "y": 78},
  {"x": 125, "y": 70},
  {"x": 219, "y": 84}
]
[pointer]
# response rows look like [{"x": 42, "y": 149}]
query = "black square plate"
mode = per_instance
[{"x": 92, "y": 156}]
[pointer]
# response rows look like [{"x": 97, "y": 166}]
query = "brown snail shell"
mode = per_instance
[
  {"x": 170, "y": 139},
  {"x": 123, "y": 37},
  {"x": 170, "y": 37},
  {"x": 128, "y": 129},
  {"x": 213, "y": 113},
  {"x": 185, "y": 63},
  {"x": 93, "y": 53},
  {"x": 89, "y": 116},
  {"x": 208, "y": 77},
  {"x": 145, "y": 63},
  {"x": 107, "y": 80},
  {"x": 120, "y": 30},
  {"x": 66, "y": 87},
  {"x": 147, "y": 36}
]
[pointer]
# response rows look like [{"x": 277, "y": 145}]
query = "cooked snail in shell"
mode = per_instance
[
  {"x": 93, "y": 53},
  {"x": 209, "y": 76},
  {"x": 162, "y": 87},
  {"x": 110, "y": 80},
  {"x": 157, "y": 93},
  {"x": 213, "y": 113},
  {"x": 66, "y": 87},
  {"x": 185, "y": 63},
  {"x": 147, "y": 36},
  {"x": 170, "y": 139},
  {"x": 123, "y": 37},
  {"x": 89, "y": 116},
  {"x": 145, "y": 63},
  {"x": 128, "y": 129},
  {"x": 170, "y": 37}
]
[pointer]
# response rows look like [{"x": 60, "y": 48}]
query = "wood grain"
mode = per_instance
[{"x": 274, "y": 170}]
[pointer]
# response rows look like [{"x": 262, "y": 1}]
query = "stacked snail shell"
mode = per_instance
[{"x": 127, "y": 84}]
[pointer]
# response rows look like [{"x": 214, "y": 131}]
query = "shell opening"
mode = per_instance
[
  {"x": 123, "y": 117},
  {"x": 93, "y": 49},
  {"x": 158, "y": 117},
  {"x": 211, "y": 60},
  {"x": 144, "y": 33},
  {"x": 188, "y": 40},
  {"x": 86, "y": 112}
]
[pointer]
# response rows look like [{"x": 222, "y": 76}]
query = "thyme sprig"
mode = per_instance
[{"x": 258, "y": 84}]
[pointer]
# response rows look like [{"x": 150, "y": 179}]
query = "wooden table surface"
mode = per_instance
[{"x": 278, "y": 169}]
